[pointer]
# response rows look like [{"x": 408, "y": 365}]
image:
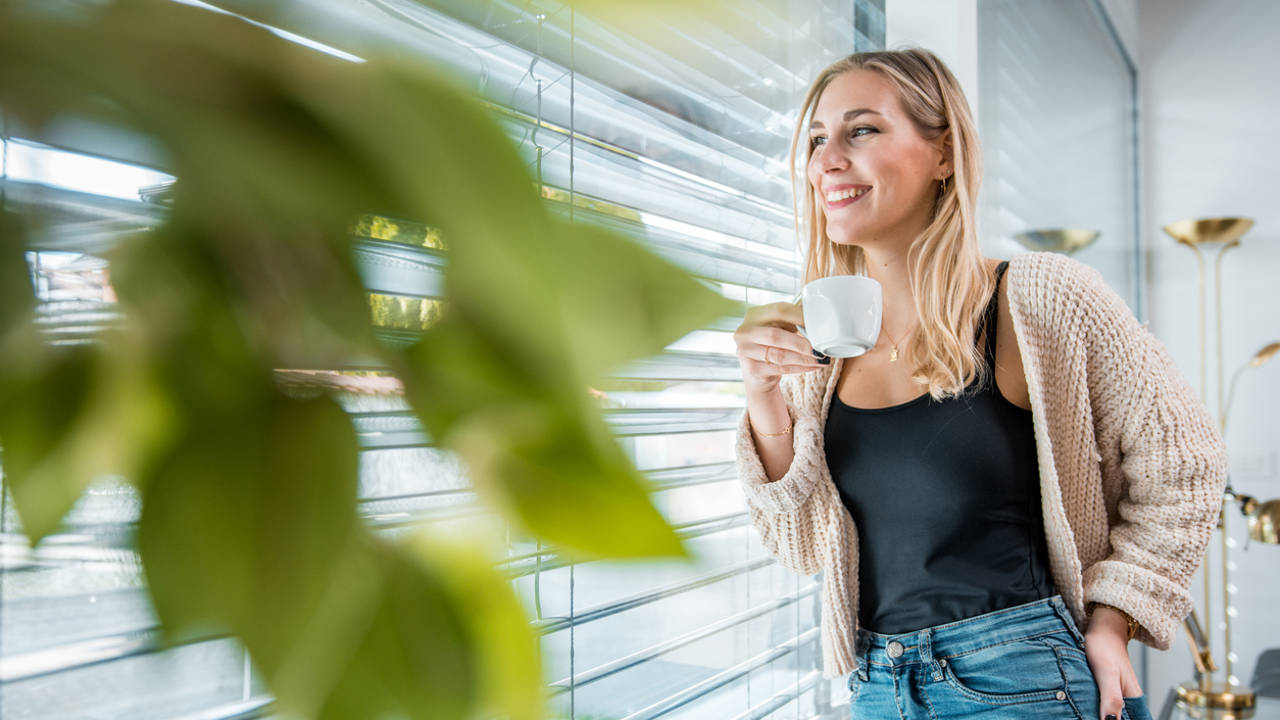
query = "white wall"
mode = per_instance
[
  {"x": 1210, "y": 99},
  {"x": 1124, "y": 18},
  {"x": 948, "y": 28}
]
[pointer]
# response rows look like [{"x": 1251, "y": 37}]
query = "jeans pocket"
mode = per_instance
[
  {"x": 853, "y": 682},
  {"x": 1135, "y": 708},
  {"x": 1014, "y": 672}
]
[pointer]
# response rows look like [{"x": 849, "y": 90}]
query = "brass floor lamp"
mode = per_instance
[
  {"x": 1224, "y": 233},
  {"x": 1063, "y": 240}
]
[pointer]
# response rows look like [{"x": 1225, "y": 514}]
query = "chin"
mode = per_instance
[{"x": 845, "y": 236}]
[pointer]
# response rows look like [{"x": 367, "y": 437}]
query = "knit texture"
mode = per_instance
[{"x": 1132, "y": 466}]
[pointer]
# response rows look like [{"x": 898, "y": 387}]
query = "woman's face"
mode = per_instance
[{"x": 862, "y": 140}]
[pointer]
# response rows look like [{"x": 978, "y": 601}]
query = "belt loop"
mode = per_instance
[
  {"x": 1060, "y": 607},
  {"x": 926, "y": 653}
]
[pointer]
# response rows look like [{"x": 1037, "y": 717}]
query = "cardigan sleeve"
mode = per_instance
[
  {"x": 786, "y": 512},
  {"x": 1173, "y": 461}
]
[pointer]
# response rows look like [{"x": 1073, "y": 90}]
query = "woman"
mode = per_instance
[{"x": 1011, "y": 462}]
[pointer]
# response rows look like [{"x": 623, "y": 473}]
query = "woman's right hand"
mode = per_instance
[{"x": 769, "y": 346}]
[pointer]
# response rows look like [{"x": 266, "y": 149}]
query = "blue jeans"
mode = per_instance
[{"x": 1026, "y": 661}]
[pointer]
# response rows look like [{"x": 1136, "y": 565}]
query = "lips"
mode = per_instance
[{"x": 846, "y": 201}]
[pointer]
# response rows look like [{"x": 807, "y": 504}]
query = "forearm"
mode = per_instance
[
  {"x": 768, "y": 413},
  {"x": 1162, "y": 459}
]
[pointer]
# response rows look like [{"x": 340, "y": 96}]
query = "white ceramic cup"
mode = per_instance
[{"x": 842, "y": 314}]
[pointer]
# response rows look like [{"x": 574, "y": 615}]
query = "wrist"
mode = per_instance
[
  {"x": 764, "y": 391},
  {"x": 1112, "y": 619}
]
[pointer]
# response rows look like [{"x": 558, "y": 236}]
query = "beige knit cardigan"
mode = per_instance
[{"x": 1132, "y": 467}]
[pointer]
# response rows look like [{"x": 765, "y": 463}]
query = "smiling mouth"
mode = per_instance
[{"x": 845, "y": 198}]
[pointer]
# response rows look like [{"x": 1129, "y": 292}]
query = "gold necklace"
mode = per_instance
[{"x": 893, "y": 356}]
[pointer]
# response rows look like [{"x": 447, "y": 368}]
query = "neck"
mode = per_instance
[{"x": 889, "y": 268}]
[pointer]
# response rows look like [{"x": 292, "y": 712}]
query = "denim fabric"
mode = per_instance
[{"x": 1021, "y": 662}]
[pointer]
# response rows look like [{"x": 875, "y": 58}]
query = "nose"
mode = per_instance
[{"x": 829, "y": 157}]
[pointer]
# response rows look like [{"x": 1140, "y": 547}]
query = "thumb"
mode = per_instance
[{"x": 1110, "y": 701}]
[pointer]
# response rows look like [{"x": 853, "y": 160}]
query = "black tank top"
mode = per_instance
[{"x": 946, "y": 499}]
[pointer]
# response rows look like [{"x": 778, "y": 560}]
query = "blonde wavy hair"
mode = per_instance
[{"x": 949, "y": 280}]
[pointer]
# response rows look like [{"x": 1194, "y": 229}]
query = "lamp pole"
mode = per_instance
[{"x": 1226, "y": 233}]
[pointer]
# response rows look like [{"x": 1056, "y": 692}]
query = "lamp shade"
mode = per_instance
[
  {"x": 1208, "y": 230},
  {"x": 1262, "y": 356},
  {"x": 1063, "y": 240},
  {"x": 1264, "y": 522}
]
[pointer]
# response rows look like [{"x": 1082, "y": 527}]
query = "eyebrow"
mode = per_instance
[{"x": 849, "y": 115}]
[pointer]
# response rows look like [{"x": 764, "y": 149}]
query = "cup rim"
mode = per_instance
[
  {"x": 842, "y": 278},
  {"x": 841, "y": 282}
]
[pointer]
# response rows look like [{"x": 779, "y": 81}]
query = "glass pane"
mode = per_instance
[{"x": 1057, "y": 127}]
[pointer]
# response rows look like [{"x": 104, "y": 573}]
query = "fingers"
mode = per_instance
[
  {"x": 775, "y": 369},
  {"x": 781, "y": 314},
  {"x": 1108, "y": 657},
  {"x": 1114, "y": 685},
  {"x": 1110, "y": 702},
  {"x": 790, "y": 369},
  {"x": 777, "y": 356},
  {"x": 795, "y": 347},
  {"x": 769, "y": 344},
  {"x": 793, "y": 312},
  {"x": 782, "y": 346}
]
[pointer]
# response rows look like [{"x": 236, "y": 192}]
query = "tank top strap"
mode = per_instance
[{"x": 989, "y": 318}]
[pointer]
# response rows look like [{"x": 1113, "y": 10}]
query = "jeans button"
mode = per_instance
[
  {"x": 1061, "y": 695},
  {"x": 894, "y": 648}
]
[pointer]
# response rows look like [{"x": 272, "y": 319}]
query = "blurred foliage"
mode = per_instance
[
  {"x": 404, "y": 232},
  {"x": 249, "y": 523},
  {"x": 406, "y": 313}
]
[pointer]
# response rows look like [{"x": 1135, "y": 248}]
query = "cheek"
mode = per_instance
[{"x": 812, "y": 187}]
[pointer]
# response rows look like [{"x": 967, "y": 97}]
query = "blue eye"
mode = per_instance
[{"x": 813, "y": 141}]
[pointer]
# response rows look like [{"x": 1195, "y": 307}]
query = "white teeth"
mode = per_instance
[{"x": 842, "y": 194}]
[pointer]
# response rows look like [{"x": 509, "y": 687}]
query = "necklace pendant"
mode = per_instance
[{"x": 893, "y": 356}]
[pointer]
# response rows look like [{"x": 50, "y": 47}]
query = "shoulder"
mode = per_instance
[
  {"x": 1049, "y": 284},
  {"x": 1051, "y": 271},
  {"x": 1064, "y": 296}
]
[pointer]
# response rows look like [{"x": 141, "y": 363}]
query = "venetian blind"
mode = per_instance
[{"x": 676, "y": 136}]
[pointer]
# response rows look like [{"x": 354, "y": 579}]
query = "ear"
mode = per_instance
[{"x": 943, "y": 146}]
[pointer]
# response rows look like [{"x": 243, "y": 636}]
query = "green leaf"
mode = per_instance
[
  {"x": 39, "y": 419},
  {"x": 242, "y": 521},
  {"x": 17, "y": 298},
  {"x": 69, "y": 415},
  {"x": 394, "y": 638},
  {"x": 510, "y": 682},
  {"x": 535, "y": 451},
  {"x": 249, "y": 528},
  {"x": 545, "y": 469},
  {"x": 604, "y": 299}
]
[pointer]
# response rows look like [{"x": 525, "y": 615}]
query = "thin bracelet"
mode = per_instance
[{"x": 783, "y": 432}]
